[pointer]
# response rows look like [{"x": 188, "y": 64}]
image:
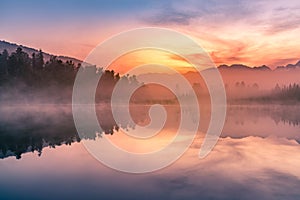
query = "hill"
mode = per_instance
[{"x": 11, "y": 47}]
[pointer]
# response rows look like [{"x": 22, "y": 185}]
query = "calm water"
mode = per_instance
[{"x": 257, "y": 157}]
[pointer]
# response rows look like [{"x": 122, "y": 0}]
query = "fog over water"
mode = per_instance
[{"x": 256, "y": 157}]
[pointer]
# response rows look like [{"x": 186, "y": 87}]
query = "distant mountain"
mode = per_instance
[
  {"x": 11, "y": 47},
  {"x": 291, "y": 66},
  {"x": 260, "y": 68},
  {"x": 234, "y": 66}
]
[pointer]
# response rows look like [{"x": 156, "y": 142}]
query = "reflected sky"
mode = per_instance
[
  {"x": 257, "y": 157},
  {"x": 236, "y": 169}
]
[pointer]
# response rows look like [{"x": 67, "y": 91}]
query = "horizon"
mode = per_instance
[{"x": 185, "y": 71}]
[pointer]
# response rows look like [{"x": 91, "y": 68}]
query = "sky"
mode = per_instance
[{"x": 231, "y": 31}]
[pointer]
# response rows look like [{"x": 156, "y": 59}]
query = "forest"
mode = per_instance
[{"x": 27, "y": 79}]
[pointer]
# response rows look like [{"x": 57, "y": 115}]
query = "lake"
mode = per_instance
[{"x": 256, "y": 157}]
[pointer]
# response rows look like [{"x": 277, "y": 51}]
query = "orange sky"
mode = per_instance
[
  {"x": 233, "y": 31},
  {"x": 155, "y": 57}
]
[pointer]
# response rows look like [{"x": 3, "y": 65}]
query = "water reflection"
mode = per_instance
[
  {"x": 32, "y": 128},
  {"x": 257, "y": 157},
  {"x": 263, "y": 121},
  {"x": 248, "y": 168}
]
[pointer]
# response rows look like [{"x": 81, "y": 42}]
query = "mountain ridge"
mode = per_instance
[{"x": 11, "y": 47}]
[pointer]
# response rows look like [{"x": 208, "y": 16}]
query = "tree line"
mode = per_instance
[
  {"x": 287, "y": 93},
  {"x": 34, "y": 71},
  {"x": 19, "y": 71}
]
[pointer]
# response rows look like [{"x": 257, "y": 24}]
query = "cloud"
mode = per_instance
[
  {"x": 183, "y": 12},
  {"x": 283, "y": 19},
  {"x": 268, "y": 17},
  {"x": 169, "y": 15}
]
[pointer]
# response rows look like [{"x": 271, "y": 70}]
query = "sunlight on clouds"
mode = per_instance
[{"x": 142, "y": 57}]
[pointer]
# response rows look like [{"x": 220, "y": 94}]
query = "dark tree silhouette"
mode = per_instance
[
  {"x": 40, "y": 60},
  {"x": 3, "y": 63},
  {"x": 287, "y": 93},
  {"x": 19, "y": 73}
]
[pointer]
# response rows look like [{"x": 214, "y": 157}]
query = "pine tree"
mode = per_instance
[{"x": 40, "y": 60}]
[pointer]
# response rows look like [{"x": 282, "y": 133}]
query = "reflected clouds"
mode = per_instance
[{"x": 32, "y": 128}]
